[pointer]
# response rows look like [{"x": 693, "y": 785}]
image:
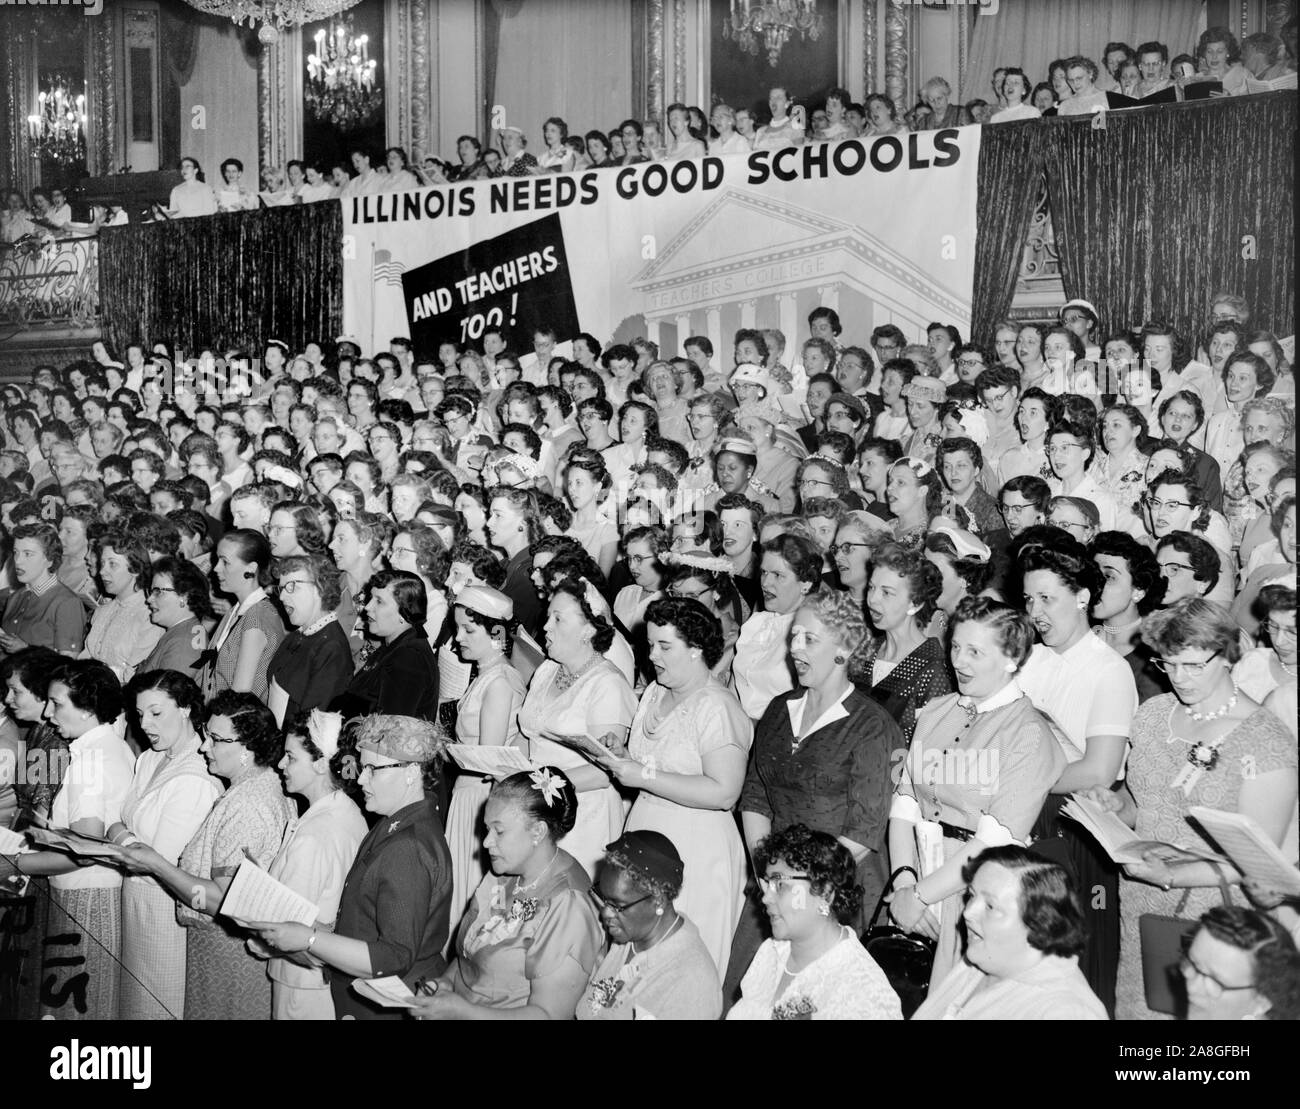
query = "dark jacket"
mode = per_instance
[
  {"x": 397, "y": 900},
  {"x": 401, "y": 678}
]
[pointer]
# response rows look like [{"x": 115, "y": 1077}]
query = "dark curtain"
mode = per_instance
[
  {"x": 179, "y": 38},
  {"x": 1168, "y": 205},
  {"x": 1010, "y": 182},
  {"x": 225, "y": 281}
]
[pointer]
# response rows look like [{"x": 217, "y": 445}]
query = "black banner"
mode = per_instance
[{"x": 516, "y": 282}]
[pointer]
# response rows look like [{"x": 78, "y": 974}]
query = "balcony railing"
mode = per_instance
[{"x": 50, "y": 282}]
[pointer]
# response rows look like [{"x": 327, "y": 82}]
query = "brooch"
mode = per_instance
[
  {"x": 1203, "y": 756},
  {"x": 794, "y": 1008}
]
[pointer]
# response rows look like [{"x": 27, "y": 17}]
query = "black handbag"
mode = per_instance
[
  {"x": 1164, "y": 941},
  {"x": 906, "y": 959}
]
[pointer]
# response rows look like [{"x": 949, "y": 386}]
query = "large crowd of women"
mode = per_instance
[{"x": 601, "y": 684}]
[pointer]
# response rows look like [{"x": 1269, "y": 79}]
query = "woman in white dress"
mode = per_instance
[
  {"x": 486, "y": 716},
  {"x": 687, "y": 752},
  {"x": 577, "y": 691},
  {"x": 193, "y": 196},
  {"x": 170, "y": 795},
  {"x": 316, "y": 856}
]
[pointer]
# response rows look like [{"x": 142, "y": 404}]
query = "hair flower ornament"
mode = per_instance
[{"x": 549, "y": 785}]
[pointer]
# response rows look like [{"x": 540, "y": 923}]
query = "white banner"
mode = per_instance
[{"x": 882, "y": 230}]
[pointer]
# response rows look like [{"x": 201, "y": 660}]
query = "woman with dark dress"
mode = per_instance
[
  {"x": 314, "y": 661},
  {"x": 401, "y": 676},
  {"x": 901, "y": 667}
]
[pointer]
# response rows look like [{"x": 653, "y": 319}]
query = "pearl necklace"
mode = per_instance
[{"x": 1222, "y": 710}]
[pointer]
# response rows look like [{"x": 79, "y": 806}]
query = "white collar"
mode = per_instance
[
  {"x": 829, "y": 715},
  {"x": 1003, "y": 697}
]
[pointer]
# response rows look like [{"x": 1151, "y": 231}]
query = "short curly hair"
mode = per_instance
[
  {"x": 92, "y": 687},
  {"x": 1272, "y": 952},
  {"x": 1068, "y": 559},
  {"x": 322, "y": 572},
  {"x": 1049, "y": 902},
  {"x": 696, "y": 626},
  {"x": 254, "y": 723},
  {"x": 1143, "y": 569},
  {"x": 832, "y": 873},
  {"x": 181, "y": 688},
  {"x": 1014, "y": 631},
  {"x": 803, "y": 556},
  {"x": 924, "y": 579},
  {"x": 1192, "y": 622},
  {"x": 841, "y": 615},
  {"x": 835, "y": 473},
  {"x": 1201, "y": 555}
]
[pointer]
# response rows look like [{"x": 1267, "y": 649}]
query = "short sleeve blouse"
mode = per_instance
[{"x": 506, "y": 941}]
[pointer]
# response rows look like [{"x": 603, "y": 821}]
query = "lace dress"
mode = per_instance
[
  {"x": 708, "y": 840},
  {"x": 1257, "y": 745},
  {"x": 844, "y": 984}
]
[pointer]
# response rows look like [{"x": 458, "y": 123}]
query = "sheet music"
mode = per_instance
[
  {"x": 1249, "y": 848},
  {"x": 390, "y": 992},
  {"x": 255, "y": 895}
]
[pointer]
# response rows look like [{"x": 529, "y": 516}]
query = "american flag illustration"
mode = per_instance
[{"x": 386, "y": 270}]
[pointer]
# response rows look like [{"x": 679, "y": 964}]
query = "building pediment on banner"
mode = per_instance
[{"x": 710, "y": 261}]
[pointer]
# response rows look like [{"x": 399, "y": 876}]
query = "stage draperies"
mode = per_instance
[
  {"x": 1153, "y": 214},
  {"x": 227, "y": 281},
  {"x": 1010, "y": 182}
]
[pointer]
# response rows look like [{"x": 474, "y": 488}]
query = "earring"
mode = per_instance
[
  {"x": 1011, "y": 667},
  {"x": 824, "y": 909},
  {"x": 659, "y": 911},
  {"x": 840, "y": 660}
]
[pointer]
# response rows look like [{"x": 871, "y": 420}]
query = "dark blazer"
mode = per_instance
[
  {"x": 397, "y": 900},
  {"x": 400, "y": 678}
]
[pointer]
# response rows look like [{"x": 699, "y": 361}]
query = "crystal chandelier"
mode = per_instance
[
  {"x": 773, "y": 21},
  {"x": 57, "y": 128},
  {"x": 273, "y": 15},
  {"x": 340, "y": 86}
]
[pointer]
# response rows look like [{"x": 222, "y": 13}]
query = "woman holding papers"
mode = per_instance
[
  {"x": 577, "y": 691},
  {"x": 318, "y": 851},
  {"x": 486, "y": 717},
  {"x": 686, "y": 754},
  {"x": 980, "y": 765},
  {"x": 392, "y": 916},
  {"x": 1208, "y": 744},
  {"x": 170, "y": 795},
  {"x": 84, "y": 699},
  {"x": 242, "y": 745}
]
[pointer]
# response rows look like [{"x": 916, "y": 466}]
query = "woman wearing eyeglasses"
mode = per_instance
[
  {"x": 700, "y": 576},
  {"x": 657, "y": 967},
  {"x": 822, "y": 752},
  {"x": 393, "y": 911},
  {"x": 858, "y": 536},
  {"x": 314, "y": 661},
  {"x": 1267, "y": 668},
  {"x": 1206, "y": 744},
  {"x": 813, "y": 967},
  {"x": 1241, "y": 965},
  {"x": 1070, "y": 451},
  {"x": 180, "y": 603},
  {"x": 242, "y": 745},
  {"x": 1174, "y": 502}
]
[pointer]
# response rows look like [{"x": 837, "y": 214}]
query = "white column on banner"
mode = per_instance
[
  {"x": 788, "y": 306},
  {"x": 652, "y": 329},
  {"x": 715, "y": 333},
  {"x": 683, "y": 333},
  {"x": 748, "y": 313},
  {"x": 828, "y": 296}
]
